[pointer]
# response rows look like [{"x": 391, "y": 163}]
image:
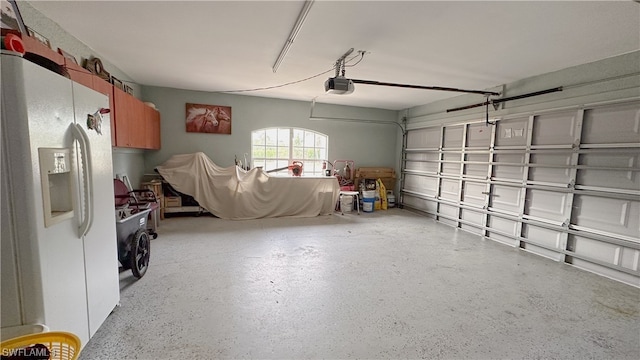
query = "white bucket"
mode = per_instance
[
  {"x": 346, "y": 203},
  {"x": 368, "y": 204},
  {"x": 391, "y": 199},
  {"x": 369, "y": 194}
]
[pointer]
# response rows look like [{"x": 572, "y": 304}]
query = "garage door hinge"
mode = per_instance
[
  {"x": 571, "y": 184},
  {"x": 566, "y": 222}
]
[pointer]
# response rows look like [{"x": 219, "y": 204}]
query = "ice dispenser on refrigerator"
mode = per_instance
[{"x": 57, "y": 184}]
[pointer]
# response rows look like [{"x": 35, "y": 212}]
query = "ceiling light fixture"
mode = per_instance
[{"x": 294, "y": 33}]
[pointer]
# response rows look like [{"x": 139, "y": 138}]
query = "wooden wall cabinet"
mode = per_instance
[
  {"x": 133, "y": 124},
  {"x": 136, "y": 124}
]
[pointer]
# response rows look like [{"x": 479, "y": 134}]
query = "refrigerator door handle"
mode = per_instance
[{"x": 87, "y": 174}]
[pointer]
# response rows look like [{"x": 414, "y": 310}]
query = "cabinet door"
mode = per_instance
[
  {"x": 152, "y": 117},
  {"x": 123, "y": 110},
  {"x": 137, "y": 126},
  {"x": 134, "y": 124}
]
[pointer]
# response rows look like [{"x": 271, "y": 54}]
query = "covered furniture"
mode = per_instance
[{"x": 234, "y": 193}]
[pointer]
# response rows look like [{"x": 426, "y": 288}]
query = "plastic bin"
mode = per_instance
[{"x": 59, "y": 344}]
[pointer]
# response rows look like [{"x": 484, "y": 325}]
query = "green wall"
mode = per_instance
[{"x": 368, "y": 144}]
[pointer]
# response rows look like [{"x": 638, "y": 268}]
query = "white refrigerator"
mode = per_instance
[{"x": 59, "y": 247}]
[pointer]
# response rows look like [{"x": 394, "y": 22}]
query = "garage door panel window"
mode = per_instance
[
  {"x": 597, "y": 127},
  {"x": 512, "y": 133},
  {"x": 478, "y": 136},
  {"x": 554, "y": 129}
]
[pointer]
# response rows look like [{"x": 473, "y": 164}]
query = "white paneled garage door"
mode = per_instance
[{"x": 561, "y": 184}]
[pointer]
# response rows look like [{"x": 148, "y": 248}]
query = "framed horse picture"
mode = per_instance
[{"x": 213, "y": 119}]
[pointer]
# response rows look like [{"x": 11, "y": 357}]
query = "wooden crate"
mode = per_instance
[
  {"x": 172, "y": 201},
  {"x": 156, "y": 187},
  {"x": 387, "y": 175}
]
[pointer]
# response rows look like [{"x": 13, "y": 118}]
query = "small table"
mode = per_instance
[{"x": 350, "y": 193}]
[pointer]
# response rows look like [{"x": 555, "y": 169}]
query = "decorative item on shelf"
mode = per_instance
[
  {"x": 128, "y": 89},
  {"x": 117, "y": 83},
  {"x": 11, "y": 17},
  {"x": 68, "y": 56},
  {"x": 213, "y": 119},
  {"x": 34, "y": 34},
  {"x": 12, "y": 42},
  {"x": 94, "y": 65}
]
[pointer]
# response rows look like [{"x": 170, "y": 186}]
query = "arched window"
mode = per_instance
[{"x": 275, "y": 148}]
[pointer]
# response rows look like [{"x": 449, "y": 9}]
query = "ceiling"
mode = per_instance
[{"x": 232, "y": 45}]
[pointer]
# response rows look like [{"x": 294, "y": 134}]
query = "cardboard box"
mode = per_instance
[{"x": 172, "y": 201}]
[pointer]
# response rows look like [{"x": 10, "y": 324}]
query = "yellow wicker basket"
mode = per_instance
[{"x": 61, "y": 345}]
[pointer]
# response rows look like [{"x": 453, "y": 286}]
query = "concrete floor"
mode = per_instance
[{"x": 379, "y": 285}]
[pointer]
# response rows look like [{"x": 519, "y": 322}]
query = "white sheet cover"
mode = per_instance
[{"x": 234, "y": 193}]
